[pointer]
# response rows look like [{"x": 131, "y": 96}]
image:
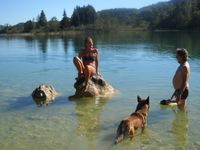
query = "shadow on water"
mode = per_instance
[
  {"x": 22, "y": 103},
  {"x": 88, "y": 115}
]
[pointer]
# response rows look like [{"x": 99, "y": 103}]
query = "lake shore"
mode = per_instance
[{"x": 77, "y": 31}]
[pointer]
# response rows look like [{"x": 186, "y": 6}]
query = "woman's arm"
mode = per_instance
[
  {"x": 80, "y": 54},
  {"x": 97, "y": 61}
]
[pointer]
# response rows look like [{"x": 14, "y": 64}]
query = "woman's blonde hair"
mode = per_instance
[{"x": 88, "y": 39}]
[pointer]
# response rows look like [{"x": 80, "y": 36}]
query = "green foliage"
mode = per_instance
[
  {"x": 53, "y": 25},
  {"x": 42, "y": 21},
  {"x": 182, "y": 14},
  {"x": 29, "y": 26},
  {"x": 121, "y": 16},
  {"x": 83, "y": 16},
  {"x": 195, "y": 20},
  {"x": 175, "y": 14},
  {"x": 170, "y": 15},
  {"x": 75, "y": 19},
  {"x": 65, "y": 22}
]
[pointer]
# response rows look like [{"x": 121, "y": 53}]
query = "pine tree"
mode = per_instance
[
  {"x": 42, "y": 21},
  {"x": 75, "y": 19},
  {"x": 64, "y": 23},
  {"x": 84, "y": 15}
]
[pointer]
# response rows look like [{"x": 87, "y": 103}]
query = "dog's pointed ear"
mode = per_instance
[
  {"x": 147, "y": 100},
  {"x": 138, "y": 98}
]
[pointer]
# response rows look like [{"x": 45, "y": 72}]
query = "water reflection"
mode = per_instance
[
  {"x": 88, "y": 115},
  {"x": 54, "y": 43},
  {"x": 180, "y": 130},
  {"x": 159, "y": 42},
  {"x": 29, "y": 39},
  {"x": 171, "y": 40},
  {"x": 42, "y": 43},
  {"x": 65, "y": 43},
  {"x": 78, "y": 44}
]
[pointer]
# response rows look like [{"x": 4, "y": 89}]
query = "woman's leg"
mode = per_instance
[
  {"x": 88, "y": 72},
  {"x": 79, "y": 66}
]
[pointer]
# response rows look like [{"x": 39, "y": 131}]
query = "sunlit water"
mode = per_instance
[{"x": 133, "y": 63}]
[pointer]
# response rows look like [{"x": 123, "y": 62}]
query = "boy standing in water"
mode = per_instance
[{"x": 181, "y": 78}]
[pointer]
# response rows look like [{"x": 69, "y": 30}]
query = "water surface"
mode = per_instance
[{"x": 133, "y": 63}]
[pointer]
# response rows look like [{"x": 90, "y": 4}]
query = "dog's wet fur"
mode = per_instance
[{"x": 137, "y": 119}]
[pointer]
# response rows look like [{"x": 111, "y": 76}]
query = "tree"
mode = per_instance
[
  {"x": 42, "y": 21},
  {"x": 195, "y": 21},
  {"x": 75, "y": 19},
  {"x": 88, "y": 15},
  {"x": 64, "y": 23},
  {"x": 83, "y": 16},
  {"x": 53, "y": 25},
  {"x": 182, "y": 13},
  {"x": 28, "y": 26}
]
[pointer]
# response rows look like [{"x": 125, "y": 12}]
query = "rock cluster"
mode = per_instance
[
  {"x": 44, "y": 94},
  {"x": 97, "y": 86}
]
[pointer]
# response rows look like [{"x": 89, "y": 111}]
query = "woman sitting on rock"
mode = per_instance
[{"x": 87, "y": 62}]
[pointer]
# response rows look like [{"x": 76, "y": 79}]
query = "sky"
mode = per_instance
[{"x": 16, "y": 11}]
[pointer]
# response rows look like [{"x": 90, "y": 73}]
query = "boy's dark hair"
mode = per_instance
[{"x": 183, "y": 53}]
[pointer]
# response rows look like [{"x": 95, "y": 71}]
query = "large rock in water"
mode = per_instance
[
  {"x": 44, "y": 94},
  {"x": 97, "y": 86}
]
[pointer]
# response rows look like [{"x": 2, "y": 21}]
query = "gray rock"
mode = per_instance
[
  {"x": 97, "y": 87},
  {"x": 44, "y": 94}
]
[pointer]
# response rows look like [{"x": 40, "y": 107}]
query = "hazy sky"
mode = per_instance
[{"x": 16, "y": 11}]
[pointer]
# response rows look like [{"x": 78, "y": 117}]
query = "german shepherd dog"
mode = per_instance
[{"x": 138, "y": 119}]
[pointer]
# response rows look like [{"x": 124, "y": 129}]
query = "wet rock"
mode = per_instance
[
  {"x": 44, "y": 94},
  {"x": 97, "y": 87}
]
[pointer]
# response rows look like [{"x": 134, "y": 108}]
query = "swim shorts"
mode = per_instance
[{"x": 184, "y": 95}]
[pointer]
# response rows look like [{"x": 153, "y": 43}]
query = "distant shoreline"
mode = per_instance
[
  {"x": 64, "y": 33},
  {"x": 79, "y": 32},
  {"x": 43, "y": 33}
]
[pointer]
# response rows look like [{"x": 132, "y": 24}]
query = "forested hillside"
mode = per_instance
[{"x": 175, "y": 14}]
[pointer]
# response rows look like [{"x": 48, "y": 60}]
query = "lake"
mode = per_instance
[{"x": 136, "y": 63}]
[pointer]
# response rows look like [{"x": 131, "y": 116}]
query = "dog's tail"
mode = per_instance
[{"x": 121, "y": 131}]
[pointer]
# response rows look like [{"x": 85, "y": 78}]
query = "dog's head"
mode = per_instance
[{"x": 143, "y": 103}]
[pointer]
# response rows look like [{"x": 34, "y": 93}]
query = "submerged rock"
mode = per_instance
[
  {"x": 44, "y": 94},
  {"x": 97, "y": 86}
]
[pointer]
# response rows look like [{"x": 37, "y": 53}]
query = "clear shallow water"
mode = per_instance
[{"x": 134, "y": 63}]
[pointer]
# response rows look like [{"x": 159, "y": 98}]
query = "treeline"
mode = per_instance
[
  {"x": 171, "y": 15},
  {"x": 82, "y": 17}
]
